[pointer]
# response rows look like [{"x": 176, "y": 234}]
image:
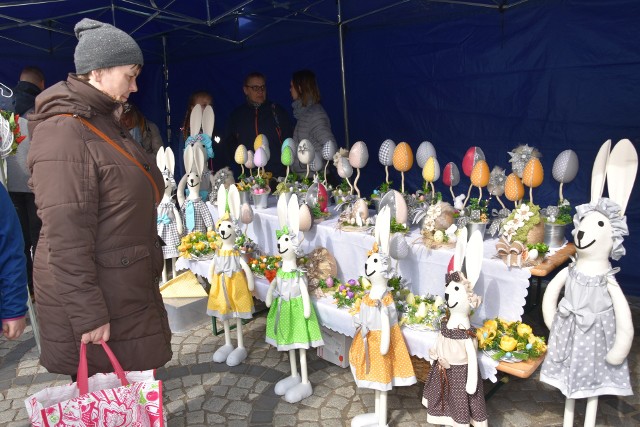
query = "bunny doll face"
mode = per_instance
[
  {"x": 227, "y": 232},
  {"x": 593, "y": 235},
  {"x": 374, "y": 266},
  {"x": 286, "y": 247},
  {"x": 456, "y": 296}
]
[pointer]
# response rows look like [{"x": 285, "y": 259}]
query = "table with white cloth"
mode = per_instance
[{"x": 503, "y": 289}]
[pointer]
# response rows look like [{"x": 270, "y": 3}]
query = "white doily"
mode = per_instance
[{"x": 6, "y": 137}]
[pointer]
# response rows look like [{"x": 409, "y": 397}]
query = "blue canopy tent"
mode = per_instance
[{"x": 554, "y": 74}]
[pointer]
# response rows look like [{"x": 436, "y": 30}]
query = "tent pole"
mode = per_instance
[
  {"x": 165, "y": 75},
  {"x": 342, "y": 75}
]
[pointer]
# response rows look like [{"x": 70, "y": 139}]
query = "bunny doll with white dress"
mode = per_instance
[
  {"x": 231, "y": 279},
  {"x": 591, "y": 329},
  {"x": 195, "y": 213},
  {"x": 169, "y": 221},
  {"x": 379, "y": 357},
  {"x": 292, "y": 322},
  {"x": 453, "y": 392},
  {"x": 200, "y": 119}
]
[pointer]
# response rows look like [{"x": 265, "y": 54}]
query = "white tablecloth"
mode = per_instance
[
  {"x": 503, "y": 290},
  {"x": 339, "y": 320}
]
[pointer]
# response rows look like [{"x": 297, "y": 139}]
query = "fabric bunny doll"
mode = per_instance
[
  {"x": 379, "y": 357},
  {"x": 453, "y": 393},
  {"x": 591, "y": 329},
  {"x": 291, "y": 323},
  {"x": 231, "y": 279},
  {"x": 195, "y": 214},
  {"x": 200, "y": 118},
  {"x": 169, "y": 219}
]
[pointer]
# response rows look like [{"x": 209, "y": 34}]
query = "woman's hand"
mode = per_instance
[
  {"x": 100, "y": 333},
  {"x": 12, "y": 329}
]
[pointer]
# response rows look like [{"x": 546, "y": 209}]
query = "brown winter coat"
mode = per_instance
[{"x": 98, "y": 259}]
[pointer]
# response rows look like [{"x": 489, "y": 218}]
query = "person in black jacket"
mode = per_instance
[{"x": 258, "y": 116}]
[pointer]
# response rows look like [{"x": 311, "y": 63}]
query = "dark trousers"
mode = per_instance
[{"x": 26, "y": 208}]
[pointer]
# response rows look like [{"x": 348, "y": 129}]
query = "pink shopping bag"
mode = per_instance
[{"x": 116, "y": 399}]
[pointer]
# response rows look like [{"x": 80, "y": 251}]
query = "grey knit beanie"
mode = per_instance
[{"x": 102, "y": 45}]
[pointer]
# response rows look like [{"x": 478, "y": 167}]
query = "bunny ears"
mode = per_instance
[
  {"x": 288, "y": 215},
  {"x": 201, "y": 118},
  {"x": 166, "y": 161},
  {"x": 228, "y": 204},
  {"x": 473, "y": 262}
]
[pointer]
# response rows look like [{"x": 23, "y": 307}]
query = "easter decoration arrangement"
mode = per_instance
[
  {"x": 292, "y": 323},
  {"x": 195, "y": 213},
  {"x": 201, "y": 122},
  {"x": 378, "y": 357},
  {"x": 592, "y": 322},
  {"x": 231, "y": 279},
  {"x": 509, "y": 341},
  {"x": 385, "y": 157},
  {"x": 453, "y": 393},
  {"x": 169, "y": 221}
]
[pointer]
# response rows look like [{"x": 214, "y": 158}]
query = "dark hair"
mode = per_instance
[
  {"x": 252, "y": 75},
  {"x": 304, "y": 81},
  {"x": 32, "y": 74},
  {"x": 192, "y": 102}
]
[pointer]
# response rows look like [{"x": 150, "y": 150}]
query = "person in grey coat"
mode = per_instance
[{"x": 312, "y": 120}]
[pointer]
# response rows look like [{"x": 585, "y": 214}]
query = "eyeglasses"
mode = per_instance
[{"x": 258, "y": 88}]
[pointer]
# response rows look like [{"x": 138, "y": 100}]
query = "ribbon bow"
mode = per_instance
[
  {"x": 515, "y": 252},
  {"x": 454, "y": 276},
  {"x": 282, "y": 232},
  {"x": 164, "y": 219},
  {"x": 498, "y": 216}
]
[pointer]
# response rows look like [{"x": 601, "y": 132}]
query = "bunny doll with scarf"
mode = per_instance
[
  {"x": 591, "y": 329},
  {"x": 379, "y": 357},
  {"x": 453, "y": 393},
  {"x": 291, "y": 323},
  {"x": 169, "y": 219},
  {"x": 195, "y": 213},
  {"x": 231, "y": 279},
  {"x": 199, "y": 119}
]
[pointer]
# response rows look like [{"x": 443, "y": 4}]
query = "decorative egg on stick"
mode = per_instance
[
  {"x": 402, "y": 159},
  {"x": 532, "y": 175},
  {"x": 316, "y": 165},
  {"x": 565, "y": 169},
  {"x": 480, "y": 176},
  {"x": 241, "y": 157},
  {"x": 496, "y": 183},
  {"x": 431, "y": 172},
  {"x": 246, "y": 215},
  {"x": 520, "y": 156},
  {"x": 425, "y": 150},
  {"x": 513, "y": 188},
  {"x": 260, "y": 159},
  {"x": 250, "y": 164},
  {"x": 306, "y": 154},
  {"x": 358, "y": 157},
  {"x": 471, "y": 157},
  {"x": 286, "y": 158},
  {"x": 328, "y": 150},
  {"x": 451, "y": 177},
  {"x": 341, "y": 162},
  {"x": 385, "y": 155}
]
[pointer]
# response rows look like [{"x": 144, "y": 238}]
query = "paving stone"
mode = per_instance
[
  {"x": 195, "y": 417},
  {"x": 246, "y": 382},
  {"x": 176, "y": 407},
  {"x": 176, "y": 422},
  {"x": 219, "y": 390},
  {"x": 338, "y": 402},
  {"x": 239, "y": 408},
  {"x": 195, "y": 391},
  {"x": 229, "y": 380},
  {"x": 195, "y": 403},
  {"x": 281, "y": 420},
  {"x": 236, "y": 393},
  {"x": 17, "y": 393},
  {"x": 8, "y": 415},
  {"x": 328, "y": 413},
  {"x": 215, "y": 419},
  {"x": 214, "y": 404},
  {"x": 261, "y": 417}
]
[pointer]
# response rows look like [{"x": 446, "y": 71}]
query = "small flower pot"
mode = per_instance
[
  {"x": 245, "y": 197},
  {"x": 554, "y": 234},
  {"x": 473, "y": 226},
  {"x": 260, "y": 201}
]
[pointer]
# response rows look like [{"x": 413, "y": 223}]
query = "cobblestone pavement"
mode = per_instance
[{"x": 198, "y": 392}]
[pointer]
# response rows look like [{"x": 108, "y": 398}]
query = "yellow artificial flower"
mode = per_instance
[
  {"x": 508, "y": 343},
  {"x": 410, "y": 299},
  {"x": 524, "y": 329},
  {"x": 366, "y": 284},
  {"x": 491, "y": 325},
  {"x": 505, "y": 324},
  {"x": 200, "y": 246},
  {"x": 211, "y": 234},
  {"x": 485, "y": 336},
  {"x": 188, "y": 245}
]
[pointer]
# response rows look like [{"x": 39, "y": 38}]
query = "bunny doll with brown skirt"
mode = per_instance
[
  {"x": 591, "y": 329},
  {"x": 453, "y": 393},
  {"x": 231, "y": 279},
  {"x": 379, "y": 357},
  {"x": 292, "y": 323},
  {"x": 169, "y": 222}
]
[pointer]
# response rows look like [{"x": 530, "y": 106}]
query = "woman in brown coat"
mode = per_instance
[{"x": 98, "y": 263}]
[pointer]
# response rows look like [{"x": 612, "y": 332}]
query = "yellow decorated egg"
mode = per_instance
[
  {"x": 431, "y": 170},
  {"x": 480, "y": 174},
  {"x": 241, "y": 155},
  {"x": 402, "y": 157},
  {"x": 260, "y": 141},
  {"x": 533, "y": 174},
  {"x": 513, "y": 188}
]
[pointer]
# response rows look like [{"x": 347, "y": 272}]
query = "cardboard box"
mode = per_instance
[
  {"x": 336, "y": 347},
  {"x": 186, "y": 313}
]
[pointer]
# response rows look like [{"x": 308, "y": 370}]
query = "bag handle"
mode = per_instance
[{"x": 83, "y": 369}]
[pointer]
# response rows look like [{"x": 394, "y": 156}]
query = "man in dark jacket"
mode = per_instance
[
  {"x": 257, "y": 116},
  {"x": 24, "y": 95}
]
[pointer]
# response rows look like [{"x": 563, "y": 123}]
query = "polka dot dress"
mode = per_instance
[
  {"x": 444, "y": 395},
  {"x": 392, "y": 369},
  {"x": 582, "y": 333},
  {"x": 229, "y": 296},
  {"x": 287, "y": 328}
]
